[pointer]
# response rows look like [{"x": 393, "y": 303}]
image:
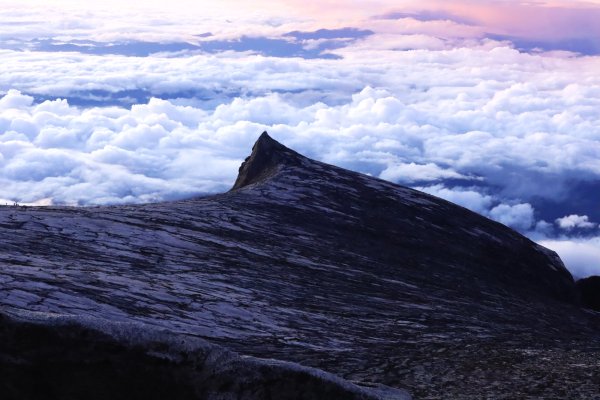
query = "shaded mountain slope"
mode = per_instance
[{"x": 306, "y": 262}]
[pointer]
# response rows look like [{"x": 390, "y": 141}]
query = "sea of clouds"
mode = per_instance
[{"x": 511, "y": 134}]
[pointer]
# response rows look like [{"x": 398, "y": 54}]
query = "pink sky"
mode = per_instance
[
  {"x": 547, "y": 20},
  {"x": 536, "y": 20},
  {"x": 551, "y": 25}
]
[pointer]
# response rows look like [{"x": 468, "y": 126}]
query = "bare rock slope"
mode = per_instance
[{"x": 309, "y": 263}]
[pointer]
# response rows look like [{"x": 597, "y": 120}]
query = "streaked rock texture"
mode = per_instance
[{"x": 310, "y": 263}]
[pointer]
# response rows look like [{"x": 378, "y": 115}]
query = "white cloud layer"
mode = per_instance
[
  {"x": 529, "y": 128},
  {"x": 514, "y": 138}
]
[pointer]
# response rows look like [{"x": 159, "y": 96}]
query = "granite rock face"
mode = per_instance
[{"x": 309, "y": 263}]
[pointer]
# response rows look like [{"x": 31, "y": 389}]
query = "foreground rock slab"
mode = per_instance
[{"x": 58, "y": 357}]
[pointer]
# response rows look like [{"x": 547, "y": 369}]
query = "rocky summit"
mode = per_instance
[{"x": 305, "y": 281}]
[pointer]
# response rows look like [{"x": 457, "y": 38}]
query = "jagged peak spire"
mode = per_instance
[{"x": 267, "y": 155}]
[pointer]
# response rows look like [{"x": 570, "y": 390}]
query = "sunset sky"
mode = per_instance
[{"x": 493, "y": 105}]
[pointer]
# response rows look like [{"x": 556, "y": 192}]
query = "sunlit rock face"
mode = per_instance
[{"x": 309, "y": 263}]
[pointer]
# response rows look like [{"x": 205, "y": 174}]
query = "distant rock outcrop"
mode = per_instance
[
  {"x": 589, "y": 288},
  {"x": 266, "y": 158}
]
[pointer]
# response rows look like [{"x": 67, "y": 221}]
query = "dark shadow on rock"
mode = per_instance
[
  {"x": 63, "y": 359},
  {"x": 589, "y": 289}
]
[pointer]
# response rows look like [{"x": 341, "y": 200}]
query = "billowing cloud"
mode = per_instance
[
  {"x": 582, "y": 256},
  {"x": 574, "y": 221},
  {"x": 411, "y": 173},
  {"x": 519, "y": 216},
  {"x": 469, "y": 198}
]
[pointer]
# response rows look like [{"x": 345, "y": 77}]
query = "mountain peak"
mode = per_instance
[
  {"x": 267, "y": 155},
  {"x": 313, "y": 264}
]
